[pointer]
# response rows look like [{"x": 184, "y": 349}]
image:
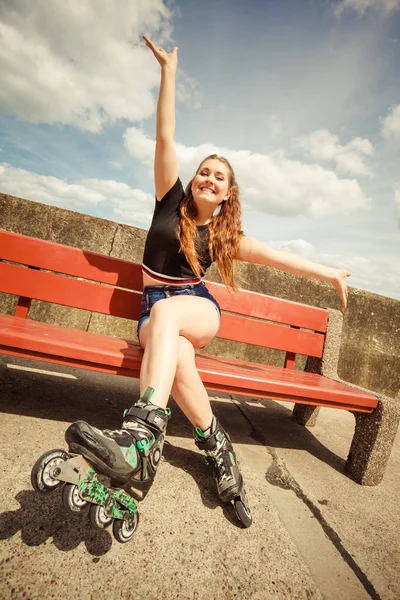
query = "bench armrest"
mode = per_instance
[{"x": 328, "y": 364}]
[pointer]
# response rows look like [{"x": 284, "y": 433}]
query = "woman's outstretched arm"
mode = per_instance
[
  {"x": 253, "y": 251},
  {"x": 165, "y": 163}
]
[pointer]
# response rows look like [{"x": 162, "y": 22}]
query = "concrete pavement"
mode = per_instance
[{"x": 316, "y": 533}]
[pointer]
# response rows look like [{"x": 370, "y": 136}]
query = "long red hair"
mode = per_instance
[{"x": 225, "y": 230}]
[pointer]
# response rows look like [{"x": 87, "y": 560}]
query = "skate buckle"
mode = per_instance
[{"x": 143, "y": 445}]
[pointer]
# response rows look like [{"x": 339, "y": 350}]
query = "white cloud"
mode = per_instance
[
  {"x": 349, "y": 158},
  {"x": 362, "y": 6},
  {"x": 299, "y": 247},
  {"x": 139, "y": 145},
  {"x": 132, "y": 206},
  {"x": 391, "y": 123},
  {"x": 270, "y": 183},
  {"x": 187, "y": 90},
  {"x": 79, "y": 63}
]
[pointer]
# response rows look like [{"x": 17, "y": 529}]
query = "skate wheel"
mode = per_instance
[
  {"x": 98, "y": 517},
  {"x": 71, "y": 498},
  {"x": 43, "y": 471},
  {"x": 122, "y": 531},
  {"x": 242, "y": 511}
]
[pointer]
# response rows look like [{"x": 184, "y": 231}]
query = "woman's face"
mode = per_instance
[{"x": 210, "y": 185}]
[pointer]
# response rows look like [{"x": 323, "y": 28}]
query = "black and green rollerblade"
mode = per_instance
[
  {"x": 107, "y": 470},
  {"x": 216, "y": 444}
]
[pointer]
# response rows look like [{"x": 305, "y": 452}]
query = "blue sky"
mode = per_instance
[{"x": 302, "y": 97}]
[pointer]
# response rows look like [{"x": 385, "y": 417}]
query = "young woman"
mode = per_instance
[{"x": 191, "y": 228}]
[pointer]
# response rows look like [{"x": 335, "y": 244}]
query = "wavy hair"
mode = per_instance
[{"x": 225, "y": 230}]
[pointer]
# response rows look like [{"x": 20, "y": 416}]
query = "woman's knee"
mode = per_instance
[
  {"x": 163, "y": 313},
  {"x": 194, "y": 321}
]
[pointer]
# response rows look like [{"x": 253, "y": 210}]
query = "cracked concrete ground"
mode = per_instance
[{"x": 316, "y": 533}]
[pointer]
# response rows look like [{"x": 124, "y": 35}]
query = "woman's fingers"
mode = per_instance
[
  {"x": 152, "y": 46},
  {"x": 341, "y": 286},
  {"x": 161, "y": 55},
  {"x": 148, "y": 41}
]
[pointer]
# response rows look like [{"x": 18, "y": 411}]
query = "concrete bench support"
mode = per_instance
[{"x": 374, "y": 433}]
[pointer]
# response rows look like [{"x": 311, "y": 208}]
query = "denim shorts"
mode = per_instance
[{"x": 154, "y": 293}]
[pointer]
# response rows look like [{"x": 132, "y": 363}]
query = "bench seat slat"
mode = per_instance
[
  {"x": 51, "y": 256},
  {"x": 23, "y": 337},
  {"x": 284, "y": 383}
]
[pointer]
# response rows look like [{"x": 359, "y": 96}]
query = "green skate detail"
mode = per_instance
[
  {"x": 200, "y": 432},
  {"x": 145, "y": 444},
  {"x": 147, "y": 394},
  {"x": 93, "y": 490},
  {"x": 130, "y": 455},
  {"x": 126, "y": 500}
]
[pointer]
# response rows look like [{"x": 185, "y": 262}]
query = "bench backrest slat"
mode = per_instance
[
  {"x": 66, "y": 291},
  {"x": 278, "y": 310},
  {"x": 261, "y": 333},
  {"x": 71, "y": 261}
]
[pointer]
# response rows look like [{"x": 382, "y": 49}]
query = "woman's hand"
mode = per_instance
[
  {"x": 337, "y": 278},
  {"x": 166, "y": 60}
]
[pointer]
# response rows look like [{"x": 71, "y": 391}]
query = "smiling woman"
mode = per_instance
[
  {"x": 213, "y": 188},
  {"x": 191, "y": 228}
]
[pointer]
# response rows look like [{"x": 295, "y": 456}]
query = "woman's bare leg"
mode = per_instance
[
  {"x": 188, "y": 316},
  {"x": 188, "y": 390}
]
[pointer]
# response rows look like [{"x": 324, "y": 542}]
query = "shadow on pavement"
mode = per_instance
[
  {"x": 101, "y": 399},
  {"x": 42, "y": 517}
]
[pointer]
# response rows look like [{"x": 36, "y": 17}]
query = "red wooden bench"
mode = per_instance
[{"x": 33, "y": 269}]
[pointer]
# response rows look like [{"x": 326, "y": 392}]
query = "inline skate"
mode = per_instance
[
  {"x": 107, "y": 470},
  {"x": 216, "y": 444}
]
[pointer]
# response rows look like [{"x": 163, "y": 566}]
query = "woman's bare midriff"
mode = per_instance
[{"x": 147, "y": 280}]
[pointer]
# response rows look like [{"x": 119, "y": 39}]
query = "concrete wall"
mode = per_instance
[{"x": 371, "y": 341}]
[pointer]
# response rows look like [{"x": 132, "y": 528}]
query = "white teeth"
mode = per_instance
[{"x": 207, "y": 190}]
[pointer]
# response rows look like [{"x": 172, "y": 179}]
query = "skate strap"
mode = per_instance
[
  {"x": 210, "y": 429},
  {"x": 151, "y": 414},
  {"x": 147, "y": 395},
  {"x": 211, "y": 441}
]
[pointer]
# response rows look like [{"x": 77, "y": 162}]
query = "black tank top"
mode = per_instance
[{"x": 162, "y": 259}]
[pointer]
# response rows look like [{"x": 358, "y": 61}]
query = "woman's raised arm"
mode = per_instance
[
  {"x": 165, "y": 163},
  {"x": 253, "y": 251}
]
